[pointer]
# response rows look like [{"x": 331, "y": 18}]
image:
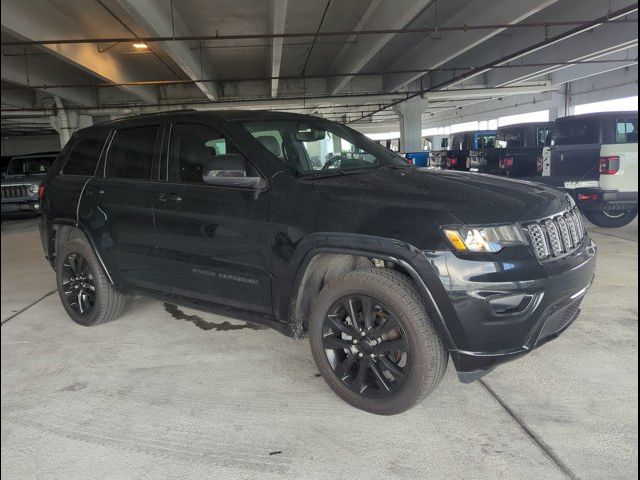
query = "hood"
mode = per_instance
[
  {"x": 23, "y": 179},
  {"x": 469, "y": 198}
]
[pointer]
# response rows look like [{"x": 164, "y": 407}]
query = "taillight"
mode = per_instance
[
  {"x": 609, "y": 165},
  {"x": 453, "y": 161},
  {"x": 588, "y": 197},
  {"x": 41, "y": 192},
  {"x": 506, "y": 162}
]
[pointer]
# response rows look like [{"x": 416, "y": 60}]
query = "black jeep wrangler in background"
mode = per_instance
[{"x": 309, "y": 227}]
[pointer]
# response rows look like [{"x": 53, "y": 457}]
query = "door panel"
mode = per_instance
[
  {"x": 213, "y": 245},
  {"x": 213, "y": 242},
  {"x": 117, "y": 207}
]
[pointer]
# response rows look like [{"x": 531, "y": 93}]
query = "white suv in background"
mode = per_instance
[{"x": 595, "y": 158}]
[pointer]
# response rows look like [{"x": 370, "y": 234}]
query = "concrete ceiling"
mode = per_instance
[{"x": 300, "y": 73}]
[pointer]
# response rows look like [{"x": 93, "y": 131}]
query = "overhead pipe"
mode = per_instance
[
  {"x": 307, "y": 77},
  {"x": 610, "y": 17},
  {"x": 254, "y": 36}
]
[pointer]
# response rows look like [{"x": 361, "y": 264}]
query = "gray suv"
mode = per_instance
[{"x": 22, "y": 180}]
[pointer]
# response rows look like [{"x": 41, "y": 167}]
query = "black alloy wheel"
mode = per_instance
[
  {"x": 366, "y": 346},
  {"x": 78, "y": 284}
]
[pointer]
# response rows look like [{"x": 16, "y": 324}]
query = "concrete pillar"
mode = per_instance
[
  {"x": 560, "y": 104},
  {"x": 410, "y": 113},
  {"x": 67, "y": 122}
]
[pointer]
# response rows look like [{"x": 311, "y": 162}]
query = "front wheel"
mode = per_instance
[
  {"x": 611, "y": 219},
  {"x": 374, "y": 342}
]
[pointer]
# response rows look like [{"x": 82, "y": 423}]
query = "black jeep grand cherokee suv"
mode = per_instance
[{"x": 307, "y": 226}]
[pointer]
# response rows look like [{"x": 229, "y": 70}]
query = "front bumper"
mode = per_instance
[
  {"x": 31, "y": 206},
  {"x": 483, "y": 339}
]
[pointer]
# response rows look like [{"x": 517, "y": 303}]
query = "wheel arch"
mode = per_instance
[
  {"x": 323, "y": 264},
  {"x": 61, "y": 232}
]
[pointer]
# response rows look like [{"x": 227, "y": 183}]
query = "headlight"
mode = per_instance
[
  {"x": 484, "y": 239},
  {"x": 33, "y": 189}
]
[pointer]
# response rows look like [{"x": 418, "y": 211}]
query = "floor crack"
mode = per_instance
[
  {"x": 28, "y": 306},
  {"x": 546, "y": 448}
]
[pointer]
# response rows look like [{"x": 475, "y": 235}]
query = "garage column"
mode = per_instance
[
  {"x": 410, "y": 113},
  {"x": 67, "y": 122},
  {"x": 560, "y": 105}
]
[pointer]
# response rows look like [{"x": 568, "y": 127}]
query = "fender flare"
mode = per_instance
[{"x": 406, "y": 256}]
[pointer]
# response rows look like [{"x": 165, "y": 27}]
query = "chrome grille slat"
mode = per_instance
[
  {"x": 564, "y": 231},
  {"x": 556, "y": 236},
  {"x": 15, "y": 191},
  {"x": 539, "y": 241},
  {"x": 578, "y": 219},
  {"x": 573, "y": 230}
]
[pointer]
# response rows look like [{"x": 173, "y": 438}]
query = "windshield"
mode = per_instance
[
  {"x": 29, "y": 166},
  {"x": 309, "y": 147}
]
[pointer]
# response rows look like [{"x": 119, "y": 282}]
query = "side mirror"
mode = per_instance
[{"x": 229, "y": 171}]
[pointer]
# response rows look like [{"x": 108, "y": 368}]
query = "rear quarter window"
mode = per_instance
[
  {"x": 627, "y": 130},
  {"x": 84, "y": 155}
]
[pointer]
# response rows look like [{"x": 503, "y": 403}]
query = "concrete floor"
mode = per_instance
[{"x": 152, "y": 396}]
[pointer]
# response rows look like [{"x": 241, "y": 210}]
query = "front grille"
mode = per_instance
[
  {"x": 556, "y": 236},
  {"x": 15, "y": 191}
]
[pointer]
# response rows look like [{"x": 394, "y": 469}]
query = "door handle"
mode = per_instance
[
  {"x": 95, "y": 190},
  {"x": 169, "y": 197}
]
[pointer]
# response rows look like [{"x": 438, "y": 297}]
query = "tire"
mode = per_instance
[
  {"x": 612, "y": 219},
  {"x": 426, "y": 351},
  {"x": 108, "y": 304}
]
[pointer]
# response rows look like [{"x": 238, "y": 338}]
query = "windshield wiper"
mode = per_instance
[{"x": 323, "y": 174}]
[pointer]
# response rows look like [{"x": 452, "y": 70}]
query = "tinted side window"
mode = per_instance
[
  {"x": 542, "y": 135},
  {"x": 627, "y": 130},
  {"x": 84, "y": 156},
  {"x": 576, "y": 132},
  {"x": 189, "y": 146},
  {"x": 132, "y": 152}
]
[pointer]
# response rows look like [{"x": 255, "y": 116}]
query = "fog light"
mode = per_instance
[
  {"x": 510, "y": 304},
  {"x": 36, "y": 206}
]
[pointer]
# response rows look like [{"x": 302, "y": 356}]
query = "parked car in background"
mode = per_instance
[
  {"x": 21, "y": 181},
  {"x": 388, "y": 269},
  {"x": 517, "y": 152},
  {"x": 455, "y": 157},
  {"x": 595, "y": 158}
]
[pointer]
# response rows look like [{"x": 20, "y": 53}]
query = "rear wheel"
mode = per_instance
[
  {"x": 374, "y": 343},
  {"x": 611, "y": 219},
  {"x": 84, "y": 289}
]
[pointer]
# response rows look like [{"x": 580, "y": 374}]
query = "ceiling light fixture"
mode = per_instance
[{"x": 140, "y": 46}]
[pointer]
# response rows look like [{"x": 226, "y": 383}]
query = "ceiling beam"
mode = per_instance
[
  {"x": 18, "y": 98},
  {"x": 158, "y": 19},
  {"x": 23, "y": 20},
  {"x": 516, "y": 40},
  {"x": 432, "y": 53},
  {"x": 471, "y": 93},
  {"x": 628, "y": 56},
  {"x": 35, "y": 70},
  {"x": 585, "y": 46},
  {"x": 278, "y": 23},
  {"x": 381, "y": 14}
]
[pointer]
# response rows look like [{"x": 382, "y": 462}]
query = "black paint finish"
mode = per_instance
[{"x": 242, "y": 252}]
